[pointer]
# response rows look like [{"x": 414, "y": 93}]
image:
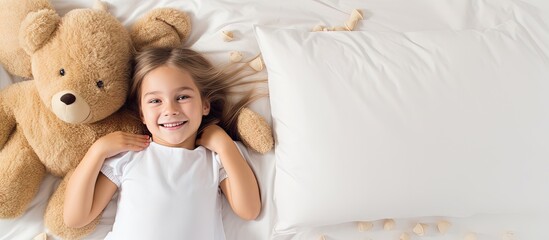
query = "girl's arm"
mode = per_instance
[
  {"x": 88, "y": 192},
  {"x": 240, "y": 187}
]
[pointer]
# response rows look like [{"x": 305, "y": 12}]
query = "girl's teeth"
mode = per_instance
[{"x": 172, "y": 124}]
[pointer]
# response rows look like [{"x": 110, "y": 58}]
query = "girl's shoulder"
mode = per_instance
[
  {"x": 120, "y": 161},
  {"x": 121, "y": 157}
]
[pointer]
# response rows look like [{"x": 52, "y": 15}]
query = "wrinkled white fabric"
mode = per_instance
[
  {"x": 209, "y": 18},
  {"x": 373, "y": 125},
  {"x": 167, "y": 193}
]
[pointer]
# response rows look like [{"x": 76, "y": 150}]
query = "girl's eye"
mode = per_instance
[
  {"x": 183, "y": 97},
  {"x": 154, "y": 101}
]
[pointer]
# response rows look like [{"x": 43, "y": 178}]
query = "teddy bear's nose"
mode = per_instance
[{"x": 68, "y": 98}]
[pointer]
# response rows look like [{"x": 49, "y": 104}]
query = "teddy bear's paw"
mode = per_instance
[{"x": 254, "y": 131}]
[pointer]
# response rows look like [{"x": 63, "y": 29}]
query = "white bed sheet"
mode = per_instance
[{"x": 209, "y": 18}]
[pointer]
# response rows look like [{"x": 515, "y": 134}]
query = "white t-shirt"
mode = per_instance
[{"x": 167, "y": 193}]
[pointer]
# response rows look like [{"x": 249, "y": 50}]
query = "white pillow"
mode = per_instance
[{"x": 373, "y": 125}]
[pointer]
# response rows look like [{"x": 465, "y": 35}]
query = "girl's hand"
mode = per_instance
[
  {"x": 117, "y": 142},
  {"x": 214, "y": 138}
]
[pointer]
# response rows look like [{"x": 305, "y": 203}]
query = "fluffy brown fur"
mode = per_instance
[
  {"x": 87, "y": 54},
  {"x": 13, "y": 57}
]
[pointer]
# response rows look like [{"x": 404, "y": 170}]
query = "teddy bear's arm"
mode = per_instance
[
  {"x": 20, "y": 175},
  {"x": 7, "y": 124}
]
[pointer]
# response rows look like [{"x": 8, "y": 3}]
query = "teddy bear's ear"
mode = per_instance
[
  {"x": 164, "y": 27},
  {"x": 37, "y": 28}
]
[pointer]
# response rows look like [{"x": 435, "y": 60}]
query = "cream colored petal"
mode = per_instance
[
  {"x": 419, "y": 229},
  {"x": 322, "y": 237},
  {"x": 470, "y": 236},
  {"x": 356, "y": 15},
  {"x": 388, "y": 224},
  {"x": 350, "y": 24},
  {"x": 100, "y": 5},
  {"x": 318, "y": 28},
  {"x": 41, "y": 236},
  {"x": 364, "y": 226},
  {"x": 443, "y": 226},
  {"x": 326, "y": 29},
  {"x": 404, "y": 236},
  {"x": 340, "y": 28},
  {"x": 235, "y": 56},
  {"x": 257, "y": 64},
  {"x": 509, "y": 235},
  {"x": 227, "y": 36}
]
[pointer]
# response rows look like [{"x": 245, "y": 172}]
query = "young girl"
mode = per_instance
[{"x": 169, "y": 182}]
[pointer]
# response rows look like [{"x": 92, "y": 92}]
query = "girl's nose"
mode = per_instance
[{"x": 171, "y": 109}]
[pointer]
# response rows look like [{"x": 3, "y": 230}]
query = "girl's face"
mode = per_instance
[{"x": 171, "y": 106}]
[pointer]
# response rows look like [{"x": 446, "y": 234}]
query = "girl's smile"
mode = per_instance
[
  {"x": 172, "y": 107},
  {"x": 173, "y": 125}
]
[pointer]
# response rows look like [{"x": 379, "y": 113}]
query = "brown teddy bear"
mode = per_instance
[{"x": 81, "y": 65}]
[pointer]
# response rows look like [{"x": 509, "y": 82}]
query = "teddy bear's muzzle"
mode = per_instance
[{"x": 70, "y": 107}]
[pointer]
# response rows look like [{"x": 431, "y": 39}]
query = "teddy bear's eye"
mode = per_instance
[
  {"x": 62, "y": 72},
  {"x": 100, "y": 84}
]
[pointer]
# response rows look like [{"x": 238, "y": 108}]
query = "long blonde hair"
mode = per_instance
[{"x": 216, "y": 86}]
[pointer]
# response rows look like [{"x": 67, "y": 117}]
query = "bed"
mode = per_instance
[{"x": 364, "y": 120}]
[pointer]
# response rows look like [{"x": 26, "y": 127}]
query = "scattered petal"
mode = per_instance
[
  {"x": 404, "y": 236},
  {"x": 389, "y": 224},
  {"x": 365, "y": 226},
  {"x": 419, "y": 229},
  {"x": 100, "y": 5},
  {"x": 257, "y": 64},
  {"x": 41, "y": 236},
  {"x": 322, "y": 237},
  {"x": 471, "y": 236},
  {"x": 350, "y": 24},
  {"x": 443, "y": 226},
  {"x": 227, "y": 36},
  {"x": 356, "y": 15},
  {"x": 340, "y": 28},
  {"x": 235, "y": 56},
  {"x": 318, "y": 28}
]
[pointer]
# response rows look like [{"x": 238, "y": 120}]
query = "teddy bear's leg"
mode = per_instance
[
  {"x": 7, "y": 124},
  {"x": 53, "y": 218},
  {"x": 254, "y": 131},
  {"x": 20, "y": 175}
]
